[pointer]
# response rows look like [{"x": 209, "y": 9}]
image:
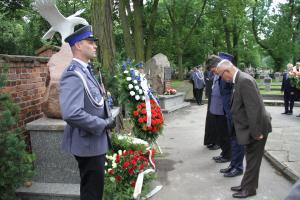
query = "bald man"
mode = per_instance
[{"x": 251, "y": 122}]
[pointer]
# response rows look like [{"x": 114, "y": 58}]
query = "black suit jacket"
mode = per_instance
[{"x": 286, "y": 85}]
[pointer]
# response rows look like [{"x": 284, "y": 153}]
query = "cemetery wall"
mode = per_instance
[{"x": 26, "y": 83}]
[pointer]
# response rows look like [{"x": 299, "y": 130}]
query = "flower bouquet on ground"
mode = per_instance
[
  {"x": 294, "y": 79},
  {"x": 142, "y": 105},
  {"x": 170, "y": 92},
  {"x": 122, "y": 170}
]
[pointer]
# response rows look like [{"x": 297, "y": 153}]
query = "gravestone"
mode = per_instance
[
  {"x": 158, "y": 72},
  {"x": 277, "y": 76},
  {"x": 267, "y": 82}
]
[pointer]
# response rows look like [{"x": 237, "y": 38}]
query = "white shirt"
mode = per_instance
[
  {"x": 81, "y": 62},
  {"x": 234, "y": 76}
]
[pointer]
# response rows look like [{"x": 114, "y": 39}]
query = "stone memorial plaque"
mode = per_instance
[{"x": 167, "y": 73}]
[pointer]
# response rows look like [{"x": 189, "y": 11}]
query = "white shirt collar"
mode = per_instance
[
  {"x": 234, "y": 76},
  {"x": 81, "y": 62}
]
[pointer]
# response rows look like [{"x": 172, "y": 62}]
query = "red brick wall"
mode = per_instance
[{"x": 26, "y": 84}]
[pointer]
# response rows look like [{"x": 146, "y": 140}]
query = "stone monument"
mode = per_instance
[{"x": 155, "y": 69}]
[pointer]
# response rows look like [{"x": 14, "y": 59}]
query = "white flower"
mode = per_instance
[
  {"x": 136, "y": 87},
  {"x": 112, "y": 179},
  {"x": 130, "y": 86},
  {"x": 105, "y": 164},
  {"x": 120, "y": 152},
  {"x": 135, "y": 81},
  {"x": 143, "y": 98},
  {"x": 114, "y": 165},
  {"x": 132, "y": 93},
  {"x": 128, "y": 78},
  {"x": 125, "y": 72},
  {"x": 137, "y": 97},
  {"x": 140, "y": 91}
]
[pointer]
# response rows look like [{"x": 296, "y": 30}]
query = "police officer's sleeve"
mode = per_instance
[{"x": 72, "y": 105}]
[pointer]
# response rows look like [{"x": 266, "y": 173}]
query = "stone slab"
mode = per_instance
[
  {"x": 176, "y": 107},
  {"x": 52, "y": 165},
  {"x": 49, "y": 191},
  {"x": 168, "y": 101}
]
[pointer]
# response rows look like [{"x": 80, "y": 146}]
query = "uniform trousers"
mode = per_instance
[{"x": 91, "y": 177}]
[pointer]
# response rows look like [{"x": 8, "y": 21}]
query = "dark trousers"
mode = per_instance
[
  {"x": 198, "y": 95},
  {"x": 224, "y": 141},
  {"x": 288, "y": 101},
  {"x": 237, "y": 154},
  {"x": 91, "y": 177},
  {"x": 254, "y": 153},
  {"x": 225, "y": 146}
]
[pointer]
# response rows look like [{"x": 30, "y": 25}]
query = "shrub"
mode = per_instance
[{"x": 15, "y": 161}]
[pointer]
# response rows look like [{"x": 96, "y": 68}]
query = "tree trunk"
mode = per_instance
[
  {"x": 235, "y": 48},
  {"x": 138, "y": 30},
  {"x": 150, "y": 36},
  {"x": 125, "y": 24},
  {"x": 227, "y": 34},
  {"x": 180, "y": 67},
  {"x": 102, "y": 24}
]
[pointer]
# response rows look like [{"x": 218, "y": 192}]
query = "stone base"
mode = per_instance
[
  {"x": 56, "y": 173},
  {"x": 49, "y": 191},
  {"x": 170, "y": 103},
  {"x": 173, "y": 108}
]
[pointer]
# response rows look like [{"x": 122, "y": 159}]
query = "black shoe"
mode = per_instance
[
  {"x": 244, "y": 194},
  {"x": 226, "y": 170},
  {"x": 236, "y": 188},
  {"x": 222, "y": 160},
  {"x": 285, "y": 113},
  {"x": 289, "y": 113},
  {"x": 216, "y": 157},
  {"x": 234, "y": 172},
  {"x": 215, "y": 147},
  {"x": 209, "y": 145}
]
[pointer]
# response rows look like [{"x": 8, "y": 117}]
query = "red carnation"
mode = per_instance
[
  {"x": 126, "y": 164},
  {"x": 135, "y": 113},
  {"x": 118, "y": 178},
  {"x": 139, "y": 107},
  {"x": 132, "y": 183},
  {"x": 142, "y": 167},
  {"x": 143, "y": 104},
  {"x": 140, "y": 120},
  {"x": 144, "y": 111},
  {"x": 150, "y": 128},
  {"x": 133, "y": 162}
]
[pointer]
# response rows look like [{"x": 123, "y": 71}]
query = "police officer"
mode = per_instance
[{"x": 83, "y": 107}]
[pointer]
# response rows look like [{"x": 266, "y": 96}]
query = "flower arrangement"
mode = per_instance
[
  {"x": 170, "y": 92},
  {"x": 140, "y": 116},
  {"x": 142, "y": 104},
  {"x": 123, "y": 168},
  {"x": 295, "y": 79}
]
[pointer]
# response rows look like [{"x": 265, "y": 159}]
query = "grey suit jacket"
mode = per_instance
[
  {"x": 250, "y": 117},
  {"x": 85, "y": 134}
]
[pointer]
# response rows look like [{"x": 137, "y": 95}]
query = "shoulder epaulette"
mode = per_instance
[{"x": 71, "y": 67}]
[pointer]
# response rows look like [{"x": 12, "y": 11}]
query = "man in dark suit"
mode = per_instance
[
  {"x": 288, "y": 91},
  {"x": 251, "y": 123},
  {"x": 84, "y": 108},
  {"x": 235, "y": 167}
]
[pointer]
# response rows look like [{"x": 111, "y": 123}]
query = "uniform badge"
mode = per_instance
[{"x": 71, "y": 68}]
